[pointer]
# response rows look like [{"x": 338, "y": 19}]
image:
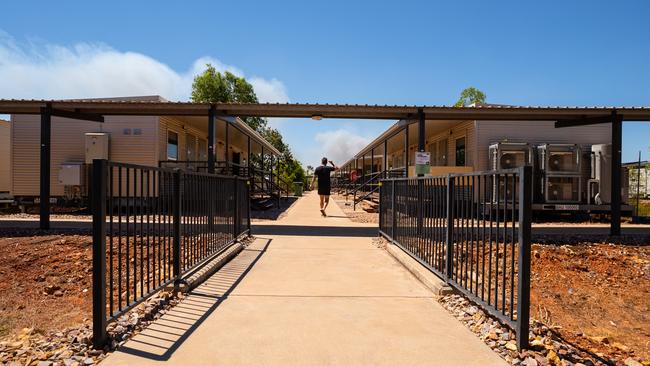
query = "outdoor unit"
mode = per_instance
[
  {"x": 72, "y": 177},
  {"x": 559, "y": 173},
  {"x": 599, "y": 188},
  {"x": 508, "y": 155},
  {"x": 97, "y": 146}
]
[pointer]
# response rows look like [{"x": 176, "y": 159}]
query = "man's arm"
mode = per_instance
[
  {"x": 334, "y": 166},
  {"x": 313, "y": 180}
]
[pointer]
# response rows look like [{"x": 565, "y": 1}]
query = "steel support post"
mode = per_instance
[
  {"x": 46, "y": 137},
  {"x": 523, "y": 260},
  {"x": 98, "y": 185},
  {"x": 211, "y": 117},
  {"x": 177, "y": 207},
  {"x": 617, "y": 143}
]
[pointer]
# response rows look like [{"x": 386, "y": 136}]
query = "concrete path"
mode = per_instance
[{"x": 309, "y": 291}]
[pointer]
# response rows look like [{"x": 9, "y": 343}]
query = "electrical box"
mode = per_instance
[
  {"x": 97, "y": 146},
  {"x": 71, "y": 174}
]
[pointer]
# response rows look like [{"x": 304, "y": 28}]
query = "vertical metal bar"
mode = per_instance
[
  {"x": 385, "y": 158},
  {"x": 449, "y": 237},
  {"x": 406, "y": 151},
  {"x": 236, "y": 212},
  {"x": 211, "y": 131},
  {"x": 523, "y": 288},
  {"x": 128, "y": 235},
  {"x": 148, "y": 209},
  {"x": 46, "y": 137},
  {"x": 99, "y": 253},
  {"x": 617, "y": 141},
  {"x": 119, "y": 237},
  {"x": 178, "y": 178},
  {"x": 421, "y": 132},
  {"x": 227, "y": 147},
  {"x": 110, "y": 235}
]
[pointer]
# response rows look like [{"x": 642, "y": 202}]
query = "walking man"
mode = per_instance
[{"x": 324, "y": 183}]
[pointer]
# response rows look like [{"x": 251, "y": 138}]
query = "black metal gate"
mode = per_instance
[
  {"x": 152, "y": 226},
  {"x": 473, "y": 231}
]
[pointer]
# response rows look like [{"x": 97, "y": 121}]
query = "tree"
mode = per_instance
[
  {"x": 214, "y": 87},
  {"x": 469, "y": 96}
]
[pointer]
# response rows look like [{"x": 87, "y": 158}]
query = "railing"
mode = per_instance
[
  {"x": 369, "y": 186},
  {"x": 152, "y": 227},
  {"x": 473, "y": 231}
]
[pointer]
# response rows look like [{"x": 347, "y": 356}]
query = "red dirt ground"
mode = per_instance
[
  {"x": 586, "y": 290},
  {"x": 28, "y": 264},
  {"x": 592, "y": 291}
]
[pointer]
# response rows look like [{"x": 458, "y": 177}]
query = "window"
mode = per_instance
[
  {"x": 190, "y": 147},
  {"x": 203, "y": 150},
  {"x": 460, "y": 152},
  {"x": 172, "y": 145},
  {"x": 438, "y": 151}
]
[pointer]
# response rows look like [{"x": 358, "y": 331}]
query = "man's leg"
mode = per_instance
[
  {"x": 322, "y": 205},
  {"x": 327, "y": 202}
]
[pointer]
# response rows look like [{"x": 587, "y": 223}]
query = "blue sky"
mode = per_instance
[{"x": 406, "y": 52}]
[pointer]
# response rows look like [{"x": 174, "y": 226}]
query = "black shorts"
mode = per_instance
[{"x": 324, "y": 191}]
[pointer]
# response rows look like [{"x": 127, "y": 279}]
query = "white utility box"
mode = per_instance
[
  {"x": 71, "y": 174},
  {"x": 97, "y": 146}
]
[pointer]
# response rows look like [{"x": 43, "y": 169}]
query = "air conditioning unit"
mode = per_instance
[
  {"x": 600, "y": 191},
  {"x": 559, "y": 158},
  {"x": 563, "y": 189},
  {"x": 509, "y": 155}
]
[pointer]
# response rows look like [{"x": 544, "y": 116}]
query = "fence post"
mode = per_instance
[
  {"x": 98, "y": 185},
  {"x": 177, "y": 227},
  {"x": 236, "y": 212},
  {"x": 449, "y": 240},
  {"x": 523, "y": 260},
  {"x": 394, "y": 218},
  {"x": 248, "y": 207}
]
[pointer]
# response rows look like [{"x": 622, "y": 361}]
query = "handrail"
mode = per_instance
[{"x": 374, "y": 176}]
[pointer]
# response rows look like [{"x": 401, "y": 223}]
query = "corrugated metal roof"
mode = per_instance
[{"x": 307, "y": 110}]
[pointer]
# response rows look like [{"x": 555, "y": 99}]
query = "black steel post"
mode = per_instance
[
  {"x": 523, "y": 260},
  {"x": 406, "y": 151},
  {"x": 236, "y": 213},
  {"x": 46, "y": 137},
  {"x": 617, "y": 142},
  {"x": 211, "y": 131},
  {"x": 262, "y": 169},
  {"x": 248, "y": 159},
  {"x": 98, "y": 185},
  {"x": 227, "y": 154},
  {"x": 394, "y": 218},
  {"x": 386, "y": 159},
  {"x": 449, "y": 237},
  {"x": 638, "y": 183},
  {"x": 421, "y": 133},
  {"x": 177, "y": 203}
]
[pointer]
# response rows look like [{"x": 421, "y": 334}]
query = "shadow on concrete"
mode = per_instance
[
  {"x": 297, "y": 230},
  {"x": 164, "y": 336}
]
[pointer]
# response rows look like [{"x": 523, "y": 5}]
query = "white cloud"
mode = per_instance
[
  {"x": 340, "y": 145},
  {"x": 91, "y": 70}
]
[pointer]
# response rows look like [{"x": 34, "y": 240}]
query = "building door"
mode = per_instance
[
  {"x": 236, "y": 160},
  {"x": 460, "y": 151}
]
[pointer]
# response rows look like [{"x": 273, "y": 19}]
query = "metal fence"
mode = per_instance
[
  {"x": 152, "y": 226},
  {"x": 473, "y": 231}
]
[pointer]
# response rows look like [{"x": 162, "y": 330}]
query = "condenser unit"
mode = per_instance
[
  {"x": 559, "y": 158},
  {"x": 509, "y": 155}
]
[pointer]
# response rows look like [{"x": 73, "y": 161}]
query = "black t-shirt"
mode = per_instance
[{"x": 323, "y": 174}]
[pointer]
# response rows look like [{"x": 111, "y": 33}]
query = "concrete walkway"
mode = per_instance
[{"x": 309, "y": 291}]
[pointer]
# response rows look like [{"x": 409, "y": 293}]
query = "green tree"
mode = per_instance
[
  {"x": 469, "y": 96},
  {"x": 211, "y": 86}
]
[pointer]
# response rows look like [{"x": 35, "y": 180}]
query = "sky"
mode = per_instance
[{"x": 567, "y": 53}]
